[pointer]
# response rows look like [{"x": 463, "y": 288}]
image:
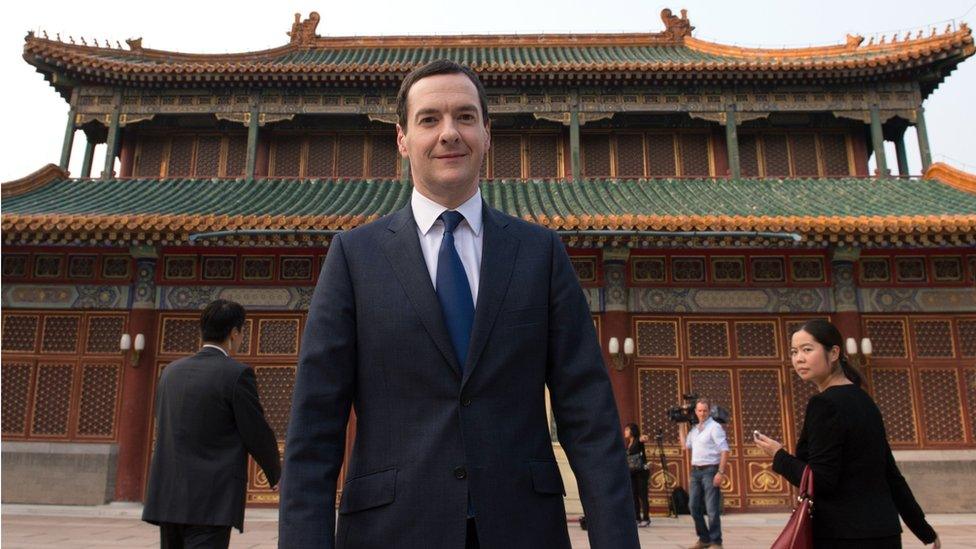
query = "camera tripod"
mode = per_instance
[{"x": 659, "y": 439}]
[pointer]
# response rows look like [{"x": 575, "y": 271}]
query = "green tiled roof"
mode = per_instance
[{"x": 549, "y": 198}]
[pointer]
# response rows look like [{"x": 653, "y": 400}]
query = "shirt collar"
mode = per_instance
[
  {"x": 219, "y": 348},
  {"x": 426, "y": 211}
]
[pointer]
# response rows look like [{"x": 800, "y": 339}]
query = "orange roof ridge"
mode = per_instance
[
  {"x": 853, "y": 45},
  {"x": 39, "y": 178},
  {"x": 954, "y": 177}
]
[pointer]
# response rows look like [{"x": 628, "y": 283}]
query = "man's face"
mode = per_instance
[
  {"x": 701, "y": 410},
  {"x": 446, "y": 136}
]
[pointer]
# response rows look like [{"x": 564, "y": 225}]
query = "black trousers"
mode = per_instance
[
  {"x": 471, "y": 541},
  {"x": 638, "y": 484},
  {"x": 191, "y": 536}
]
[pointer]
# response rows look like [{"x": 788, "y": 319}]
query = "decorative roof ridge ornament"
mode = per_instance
[
  {"x": 676, "y": 27},
  {"x": 135, "y": 44},
  {"x": 303, "y": 32}
]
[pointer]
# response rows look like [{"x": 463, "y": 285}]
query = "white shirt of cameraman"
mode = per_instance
[{"x": 707, "y": 441}]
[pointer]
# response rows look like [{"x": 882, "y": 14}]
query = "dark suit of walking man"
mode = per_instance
[
  {"x": 442, "y": 324},
  {"x": 208, "y": 419}
]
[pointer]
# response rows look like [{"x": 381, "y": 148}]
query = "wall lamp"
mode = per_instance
[
  {"x": 620, "y": 360},
  {"x": 860, "y": 361},
  {"x": 137, "y": 346}
]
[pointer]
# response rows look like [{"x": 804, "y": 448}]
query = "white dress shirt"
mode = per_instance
[
  {"x": 468, "y": 237},
  {"x": 218, "y": 347},
  {"x": 707, "y": 442}
]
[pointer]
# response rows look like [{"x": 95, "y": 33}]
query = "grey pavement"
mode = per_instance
[{"x": 117, "y": 525}]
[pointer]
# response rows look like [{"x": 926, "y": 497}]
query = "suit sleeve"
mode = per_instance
[
  {"x": 323, "y": 394},
  {"x": 825, "y": 444},
  {"x": 908, "y": 508},
  {"x": 585, "y": 411},
  {"x": 257, "y": 435}
]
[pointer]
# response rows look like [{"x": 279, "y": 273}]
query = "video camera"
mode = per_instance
[{"x": 685, "y": 413}]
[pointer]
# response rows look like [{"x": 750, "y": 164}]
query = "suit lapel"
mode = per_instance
[
  {"x": 402, "y": 249},
  {"x": 499, "y": 249}
]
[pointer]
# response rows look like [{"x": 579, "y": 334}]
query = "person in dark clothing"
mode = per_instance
[
  {"x": 639, "y": 475},
  {"x": 858, "y": 491},
  {"x": 208, "y": 419}
]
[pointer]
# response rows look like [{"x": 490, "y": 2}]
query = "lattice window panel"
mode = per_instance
[
  {"x": 657, "y": 338},
  {"x": 104, "y": 333},
  {"x": 349, "y": 161},
  {"x": 236, "y": 156},
  {"x": 585, "y": 267},
  {"x": 748, "y": 156},
  {"x": 506, "y": 157},
  {"x": 180, "y": 335},
  {"x": 648, "y": 269},
  {"x": 15, "y": 395},
  {"x": 383, "y": 156},
  {"x": 776, "y": 157},
  {"x": 296, "y": 268},
  {"x": 892, "y": 390},
  {"x": 180, "y": 267},
  {"x": 287, "y": 156},
  {"x": 688, "y": 269},
  {"x": 48, "y": 266},
  {"x": 947, "y": 269},
  {"x": 768, "y": 269},
  {"x": 761, "y": 402},
  {"x": 81, "y": 266},
  {"x": 933, "y": 339},
  {"x": 20, "y": 332},
  {"x": 967, "y": 337},
  {"x": 208, "y": 156},
  {"x": 180, "y": 157},
  {"x": 728, "y": 269},
  {"x": 115, "y": 267},
  {"x": 543, "y": 156},
  {"x": 910, "y": 269},
  {"x": 941, "y": 408},
  {"x": 694, "y": 155},
  {"x": 99, "y": 396},
  {"x": 807, "y": 269},
  {"x": 833, "y": 147},
  {"x": 14, "y": 265},
  {"x": 60, "y": 334},
  {"x": 245, "y": 348},
  {"x": 321, "y": 156},
  {"x": 278, "y": 336},
  {"x": 875, "y": 269},
  {"x": 218, "y": 268},
  {"x": 716, "y": 385},
  {"x": 708, "y": 339},
  {"x": 630, "y": 155},
  {"x": 887, "y": 338},
  {"x": 275, "y": 384},
  {"x": 803, "y": 148},
  {"x": 801, "y": 393},
  {"x": 756, "y": 339},
  {"x": 660, "y": 155},
  {"x": 52, "y": 399},
  {"x": 596, "y": 155},
  {"x": 969, "y": 378},
  {"x": 257, "y": 268},
  {"x": 150, "y": 160},
  {"x": 659, "y": 390}
]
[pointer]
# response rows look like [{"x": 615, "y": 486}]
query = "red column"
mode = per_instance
[
  {"x": 135, "y": 418},
  {"x": 127, "y": 155},
  {"x": 617, "y": 324},
  {"x": 263, "y": 155},
  {"x": 720, "y": 154}
]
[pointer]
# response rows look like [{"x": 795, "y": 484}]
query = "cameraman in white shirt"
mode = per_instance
[{"x": 709, "y": 459}]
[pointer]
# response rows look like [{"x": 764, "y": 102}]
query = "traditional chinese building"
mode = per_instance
[{"x": 712, "y": 197}]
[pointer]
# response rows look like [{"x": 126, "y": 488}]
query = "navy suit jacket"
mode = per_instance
[{"x": 428, "y": 436}]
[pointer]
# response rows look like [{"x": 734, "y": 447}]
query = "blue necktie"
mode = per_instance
[{"x": 453, "y": 290}]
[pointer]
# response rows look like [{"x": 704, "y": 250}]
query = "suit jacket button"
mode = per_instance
[
  {"x": 460, "y": 473},
  {"x": 466, "y": 402}
]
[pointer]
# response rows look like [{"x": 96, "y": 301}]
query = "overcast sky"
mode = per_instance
[{"x": 34, "y": 114}]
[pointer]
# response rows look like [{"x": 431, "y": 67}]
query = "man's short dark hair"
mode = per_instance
[
  {"x": 440, "y": 66},
  {"x": 219, "y": 318}
]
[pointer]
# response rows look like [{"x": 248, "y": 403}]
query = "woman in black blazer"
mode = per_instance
[
  {"x": 639, "y": 477},
  {"x": 858, "y": 491}
]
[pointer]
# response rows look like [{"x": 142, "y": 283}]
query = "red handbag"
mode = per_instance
[{"x": 798, "y": 533}]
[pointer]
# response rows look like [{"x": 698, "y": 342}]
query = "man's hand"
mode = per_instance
[
  {"x": 717, "y": 480},
  {"x": 766, "y": 444}
]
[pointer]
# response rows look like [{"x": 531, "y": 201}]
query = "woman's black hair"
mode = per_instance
[
  {"x": 829, "y": 336},
  {"x": 634, "y": 430}
]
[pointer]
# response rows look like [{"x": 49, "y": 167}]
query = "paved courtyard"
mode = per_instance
[{"x": 118, "y": 525}]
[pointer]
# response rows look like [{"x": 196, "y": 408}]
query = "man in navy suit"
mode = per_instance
[{"x": 442, "y": 324}]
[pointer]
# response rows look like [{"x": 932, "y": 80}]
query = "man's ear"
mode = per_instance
[{"x": 401, "y": 136}]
